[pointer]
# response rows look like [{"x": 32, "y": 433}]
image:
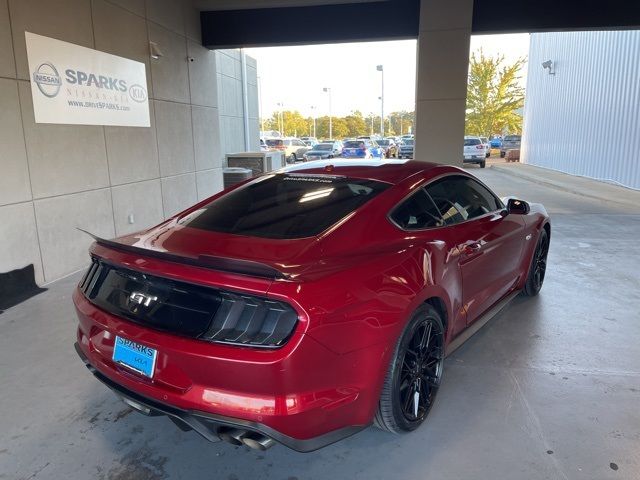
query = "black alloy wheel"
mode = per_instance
[
  {"x": 414, "y": 375},
  {"x": 538, "y": 268}
]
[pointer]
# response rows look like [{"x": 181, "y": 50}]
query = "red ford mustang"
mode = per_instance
[{"x": 305, "y": 304}]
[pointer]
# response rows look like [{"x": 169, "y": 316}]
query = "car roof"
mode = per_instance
[{"x": 388, "y": 171}]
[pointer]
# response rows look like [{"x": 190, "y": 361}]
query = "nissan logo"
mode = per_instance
[{"x": 47, "y": 78}]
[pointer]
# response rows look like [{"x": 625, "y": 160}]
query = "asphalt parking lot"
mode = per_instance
[{"x": 549, "y": 389}]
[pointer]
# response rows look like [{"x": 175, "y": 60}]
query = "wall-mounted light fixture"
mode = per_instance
[
  {"x": 155, "y": 51},
  {"x": 548, "y": 65}
]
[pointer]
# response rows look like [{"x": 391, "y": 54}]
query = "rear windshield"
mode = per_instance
[
  {"x": 384, "y": 143},
  {"x": 408, "y": 141},
  {"x": 354, "y": 144},
  {"x": 286, "y": 206},
  {"x": 471, "y": 141},
  {"x": 324, "y": 146},
  {"x": 274, "y": 143},
  {"x": 512, "y": 138}
]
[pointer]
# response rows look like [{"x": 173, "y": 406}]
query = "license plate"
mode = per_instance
[{"x": 137, "y": 357}]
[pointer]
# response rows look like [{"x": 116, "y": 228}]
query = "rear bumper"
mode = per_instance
[
  {"x": 211, "y": 426},
  {"x": 474, "y": 159},
  {"x": 302, "y": 395}
]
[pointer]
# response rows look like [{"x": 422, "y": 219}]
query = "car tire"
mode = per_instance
[
  {"x": 412, "y": 372},
  {"x": 502, "y": 154},
  {"x": 538, "y": 266},
  {"x": 294, "y": 159},
  {"x": 483, "y": 163}
]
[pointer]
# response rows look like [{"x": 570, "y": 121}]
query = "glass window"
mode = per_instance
[
  {"x": 417, "y": 212},
  {"x": 285, "y": 205},
  {"x": 471, "y": 141},
  {"x": 462, "y": 198}
]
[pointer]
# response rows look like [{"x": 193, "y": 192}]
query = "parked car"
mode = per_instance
[
  {"x": 487, "y": 146},
  {"x": 310, "y": 141},
  {"x": 320, "y": 152},
  {"x": 293, "y": 148},
  {"x": 406, "y": 148},
  {"x": 474, "y": 151},
  {"x": 510, "y": 142},
  {"x": 496, "y": 141},
  {"x": 308, "y": 303},
  {"x": 263, "y": 146},
  {"x": 362, "y": 149},
  {"x": 389, "y": 147}
]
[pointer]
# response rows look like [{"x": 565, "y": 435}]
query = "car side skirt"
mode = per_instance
[{"x": 468, "y": 332}]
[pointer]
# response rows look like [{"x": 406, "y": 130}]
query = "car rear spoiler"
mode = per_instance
[{"x": 231, "y": 265}]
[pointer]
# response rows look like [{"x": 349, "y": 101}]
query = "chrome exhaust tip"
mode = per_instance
[
  {"x": 233, "y": 436},
  {"x": 258, "y": 441}
]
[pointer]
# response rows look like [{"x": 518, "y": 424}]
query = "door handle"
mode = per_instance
[{"x": 471, "y": 248}]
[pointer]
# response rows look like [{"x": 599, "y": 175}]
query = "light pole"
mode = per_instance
[
  {"x": 313, "y": 114},
  {"x": 280, "y": 119},
  {"x": 381, "y": 70},
  {"x": 328, "y": 90}
]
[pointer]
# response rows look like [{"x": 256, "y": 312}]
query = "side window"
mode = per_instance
[
  {"x": 417, "y": 212},
  {"x": 462, "y": 198}
]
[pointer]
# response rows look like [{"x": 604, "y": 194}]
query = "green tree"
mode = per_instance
[
  {"x": 399, "y": 123},
  {"x": 494, "y": 96},
  {"x": 356, "y": 124},
  {"x": 294, "y": 124}
]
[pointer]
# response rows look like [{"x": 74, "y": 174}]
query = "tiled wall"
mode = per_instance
[{"x": 54, "y": 178}]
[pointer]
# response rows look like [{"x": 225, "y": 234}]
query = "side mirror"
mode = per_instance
[{"x": 517, "y": 207}]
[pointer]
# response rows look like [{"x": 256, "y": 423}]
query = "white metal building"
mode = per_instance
[{"x": 582, "y": 116}]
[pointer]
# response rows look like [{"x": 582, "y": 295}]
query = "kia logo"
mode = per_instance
[
  {"x": 138, "y": 93},
  {"x": 47, "y": 78}
]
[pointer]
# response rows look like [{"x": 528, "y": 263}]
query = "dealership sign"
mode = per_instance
[{"x": 77, "y": 85}]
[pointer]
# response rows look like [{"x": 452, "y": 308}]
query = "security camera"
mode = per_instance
[
  {"x": 155, "y": 51},
  {"x": 548, "y": 65}
]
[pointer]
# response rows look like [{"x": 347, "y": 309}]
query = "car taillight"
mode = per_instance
[
  {"x": 251, "y": 321},
  {"x": 184, "y": 309}
]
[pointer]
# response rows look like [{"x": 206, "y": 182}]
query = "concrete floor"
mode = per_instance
[{"x": 549, "y": 389}]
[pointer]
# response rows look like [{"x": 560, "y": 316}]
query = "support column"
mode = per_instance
[{"x": 441, "y": 80}]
